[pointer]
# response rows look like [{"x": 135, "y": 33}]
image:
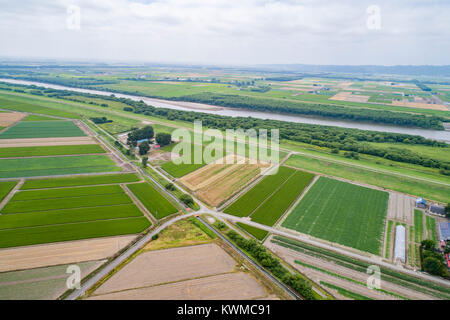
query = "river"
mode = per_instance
[{"x": 231, "y": 112}]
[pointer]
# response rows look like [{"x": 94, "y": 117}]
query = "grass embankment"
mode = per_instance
[{"x": 394, "y": 182}]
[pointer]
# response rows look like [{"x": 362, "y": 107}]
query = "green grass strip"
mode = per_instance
[
  {"x": 256, "y": 232},
  {"x": 345, "y": 292},
  {"x": 5, "y": 188},
  {"x": 387, "y": 252},
  {"x": 348, "y": 279}
]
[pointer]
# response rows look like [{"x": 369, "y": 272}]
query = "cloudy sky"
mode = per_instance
[{"x": 228, "y": 31}]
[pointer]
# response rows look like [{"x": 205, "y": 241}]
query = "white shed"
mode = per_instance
[{"x": 400, "y": 244}]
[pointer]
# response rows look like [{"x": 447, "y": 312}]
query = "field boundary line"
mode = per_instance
[
  {"x": 296, "y": 202},
  {"x": 11, "y": 194},
  {"x": 138, "y": 203},
  {"x": 64, "y": 224},
  {"x": 270, "y": 196}
]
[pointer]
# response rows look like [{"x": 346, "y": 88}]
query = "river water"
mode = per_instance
[{"x": 231, "y": 112}]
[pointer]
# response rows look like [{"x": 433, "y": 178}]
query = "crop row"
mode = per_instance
[
  {"x": 11, "y": 152},
  {"x": 154, "y": 201},
  {"x": 80, "y": 181},
  {"x": 342, "y": 212},
  {"x": 248, "y": 203}
]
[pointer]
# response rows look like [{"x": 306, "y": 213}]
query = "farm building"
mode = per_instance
[
  {"x": 138, "y": 143},
  {"x": 444, "y": 231},
  {"x": 437, "y": 210},
  {"x": 400, "y": 247},
  {"x": 421, "y": 203}
]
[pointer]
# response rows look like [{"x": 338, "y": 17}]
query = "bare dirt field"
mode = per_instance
[
  {"x": 348, "y": 96},
  {"x": 38, "y": 142},
  {"x": 61, "y": 253},
  {"x": 401, "y": 208},
  {"x": 230, "y": 286},
  {"x": 421, "y": 105},
  {"x": 216, "y": 182},
  {"x": 291, "y": 255},
  {"x": 9, "y": 118},
  {"x": 169, "y": 265}
]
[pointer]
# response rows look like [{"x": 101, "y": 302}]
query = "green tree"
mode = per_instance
[
  {"x": 163, "y": 138},
  {"x": 144, "y": 162},
  {"x": 187, "y": 199},
  {"x": 428, "y": 244},
  {"x": 143, "y": 148},
  {"x": 434, "y": 266}
]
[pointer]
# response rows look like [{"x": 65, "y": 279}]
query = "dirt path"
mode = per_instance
[{"x": 11, "y": 194}]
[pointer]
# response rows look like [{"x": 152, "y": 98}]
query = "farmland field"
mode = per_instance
[
  {"x": 30, "y": 106},
  {"x": 42, "y": 129},
  {"x": 29, "y": 167},
  {"x": 71, "y": 231},
  {"x": 274, "y": 207},
  {"x": 5, "y": 188},
  {"x": 11, "y": 152},
  {"x": 216, "y": 182},
  {"x": 34, "y": 117},
  {"x": 159, "y": 206},
  {"x": 342, "y": 212},
  {"x": 247, "y": 203},
  {"x": 257, "y": 233},
  {"x": 52, "y": 215},
  {"x": 79, "y": 181}
]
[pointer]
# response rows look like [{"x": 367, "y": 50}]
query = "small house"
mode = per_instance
[
  {"x": 139, "y": 142},
  {"x": 421, "y": 203}
]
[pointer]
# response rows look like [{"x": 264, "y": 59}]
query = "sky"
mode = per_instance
[{"x": 228, "y": 32}]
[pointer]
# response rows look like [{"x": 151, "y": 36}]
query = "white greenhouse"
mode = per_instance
[{"x": 400, "y": 246}]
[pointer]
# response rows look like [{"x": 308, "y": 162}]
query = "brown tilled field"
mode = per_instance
[
  {"x": 168, "y": 265},
  {"x": 61, "y": 253},
  {"x": 421, "y": 105},
  {"x": 230, "y": 286},
  {"x": 41, "y": 142},
  {"x": 216, "y": 182},
  {"x": 203, "y": 271},
  {"x": 9, "y": 118}
]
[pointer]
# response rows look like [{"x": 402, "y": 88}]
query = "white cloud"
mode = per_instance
[{"x": 229, "y": 31}]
